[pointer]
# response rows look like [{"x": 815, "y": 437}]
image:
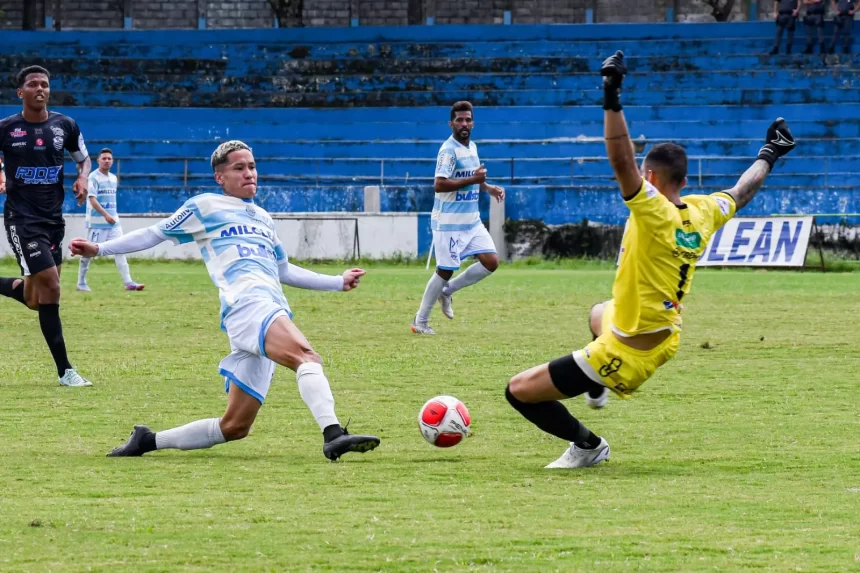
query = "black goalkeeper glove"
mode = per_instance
[
  {"x": 613, "y": 71},
  {"x": 779, "y": 142}
]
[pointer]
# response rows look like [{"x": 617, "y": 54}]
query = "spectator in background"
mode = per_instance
[
  {"x": 814, "y": 20},
  {"x": 843, "y": 21},
  {"x": 785, "y": 14}
]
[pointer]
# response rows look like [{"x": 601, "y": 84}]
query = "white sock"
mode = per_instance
[
  {"x": 122, "y": 265},
  {"x": 431, "y": 293},
  {"x": 194, "y": 436},
  {"x": 82, "y": 270},
  {"x": 467, "y": 278},
  {"x": 316, "y": 392}
]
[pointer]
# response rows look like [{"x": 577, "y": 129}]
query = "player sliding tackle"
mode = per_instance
[
  {"x": 639, "y": 329},
  {"x": 247, "y": 263}
]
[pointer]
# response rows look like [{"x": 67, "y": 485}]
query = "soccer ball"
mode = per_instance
[{"x": 444, "y": 421}]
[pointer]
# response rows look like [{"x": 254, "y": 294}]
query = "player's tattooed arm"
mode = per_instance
[{"x": 749, "y": 183}]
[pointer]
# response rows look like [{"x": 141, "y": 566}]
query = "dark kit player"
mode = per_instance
[{"x": 32, "y": 144}]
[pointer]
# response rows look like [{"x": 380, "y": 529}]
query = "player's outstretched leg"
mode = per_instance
[
  {"x": 286, "y": 345},
  {"x": 235, "y": 424},
  {"x": 535, "y": 394}
]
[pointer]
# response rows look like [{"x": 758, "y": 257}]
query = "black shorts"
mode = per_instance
[{"x": 36, "y": 246}]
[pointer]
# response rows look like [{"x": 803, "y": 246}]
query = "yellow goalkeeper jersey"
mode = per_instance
[{"x": 661, "y": 245}]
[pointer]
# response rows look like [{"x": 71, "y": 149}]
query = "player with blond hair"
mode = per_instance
[{"x": 248, "y": 264}]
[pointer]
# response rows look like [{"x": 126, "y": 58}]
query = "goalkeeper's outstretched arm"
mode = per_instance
[
  {"x": 619, "y": 147},
  {"x": 779, "y": 142}
]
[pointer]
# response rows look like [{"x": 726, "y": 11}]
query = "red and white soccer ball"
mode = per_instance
[{"x": 444, "y": 421}]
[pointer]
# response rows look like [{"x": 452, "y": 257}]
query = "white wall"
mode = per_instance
[{"x": 305, "y": 235}]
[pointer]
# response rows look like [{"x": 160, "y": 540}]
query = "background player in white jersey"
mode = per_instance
[
  {"x": 247, "y": 263},
  {"x": 102, "y": 219},
  {"x": 456, "y": 220}
]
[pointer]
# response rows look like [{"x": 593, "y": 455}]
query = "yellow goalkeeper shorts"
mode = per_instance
[{"x": 615, "y": 365}]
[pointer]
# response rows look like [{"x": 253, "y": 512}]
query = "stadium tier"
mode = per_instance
[{"x": 329, "y": 112}]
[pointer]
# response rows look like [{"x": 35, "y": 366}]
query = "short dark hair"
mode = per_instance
[
  {"x": 461, "y": 106},
  {"x": 669, "y": 159},
  {"x": 105, "y": 150},
  {"x": 22, "y": 75}
]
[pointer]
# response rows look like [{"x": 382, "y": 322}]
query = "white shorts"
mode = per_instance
[
  {"x": 247, "y": 365},
  {"x": 451, "y": 247},
  {"x": 102, "y": 235}
]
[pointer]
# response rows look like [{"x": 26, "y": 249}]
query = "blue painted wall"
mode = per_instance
[{"x": 380, "y": 98}]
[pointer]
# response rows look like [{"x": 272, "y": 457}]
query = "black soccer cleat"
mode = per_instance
[
  {"x": 346, "y": 443},
  {"x": 141, "y": 441}
]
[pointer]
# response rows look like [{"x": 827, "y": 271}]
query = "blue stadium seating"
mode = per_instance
[{"x": 330, "y": 111}]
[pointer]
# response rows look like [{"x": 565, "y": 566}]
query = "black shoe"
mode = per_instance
[
  {"x": 808, "y": 50},
  {"x": 774, "y": 51},
  {"x": 346, "y": 443},
  {"x": 141, "y": 440}
]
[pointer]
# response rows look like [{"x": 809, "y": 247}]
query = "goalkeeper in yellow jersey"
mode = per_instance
[{"x": 639, "y": 329}]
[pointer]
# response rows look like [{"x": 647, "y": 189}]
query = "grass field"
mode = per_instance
[{"x": 740, "y": 456}]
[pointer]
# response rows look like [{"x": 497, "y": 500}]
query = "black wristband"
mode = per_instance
[
  {"x": 612, "y": 98},
  {"x": 768, "y": 153}
]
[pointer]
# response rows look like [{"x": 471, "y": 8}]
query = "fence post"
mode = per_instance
[
  {"x": 700, "y": 172},
  {"x": 497, "y": 227},
  {"x": 372, "y": 202}
]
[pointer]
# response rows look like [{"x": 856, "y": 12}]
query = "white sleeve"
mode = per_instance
[
  {"x": 294, "y": 276},
  {"x": 139, "y": 240},
  {"x": 91, "y": 187}
]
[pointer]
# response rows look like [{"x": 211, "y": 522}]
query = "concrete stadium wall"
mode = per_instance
[
  {"x": 79, "y": 14},
  {"x": 307, "y": 235}
]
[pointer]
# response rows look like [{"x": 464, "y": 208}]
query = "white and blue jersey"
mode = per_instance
[
  {"x": 239, "y": 245},
  {"x": 103, "y": 188},
  {"x": 457, "y": 210}
]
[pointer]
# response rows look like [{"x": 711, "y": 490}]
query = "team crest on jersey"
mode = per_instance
[
  {"x": 59, "y": 138},
  {"x": 688, "y": 240},
  {"x": 445, "y": 163},
  {"x": 18, "y": 133},
  {"x": 250, "y": 210}
]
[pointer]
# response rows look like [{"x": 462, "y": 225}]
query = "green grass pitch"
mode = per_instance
[{"x": 742, "y": 455}]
